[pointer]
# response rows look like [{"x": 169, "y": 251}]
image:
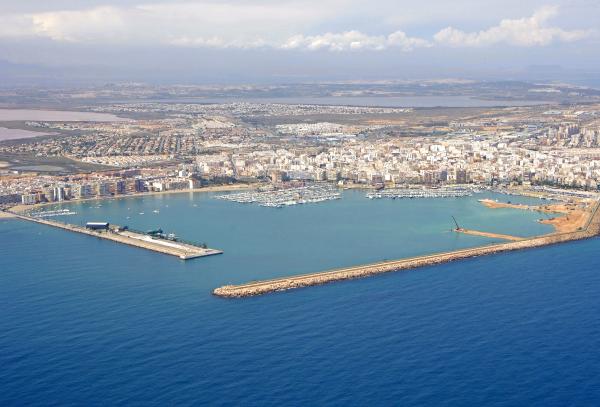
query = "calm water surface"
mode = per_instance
[
  {"x": 266, "y": 242},
  {"x": 89, "y": 322},
  {"x": 14, "y": 134},
  {"x": 55, "y": 115}
]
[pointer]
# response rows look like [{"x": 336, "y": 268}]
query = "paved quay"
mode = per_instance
[
  {"x": 591, "y": 229},
  {"x": 184, "y": 251}
]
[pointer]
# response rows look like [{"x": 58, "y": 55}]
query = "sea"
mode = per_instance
[{"x": 85, "y": 321}]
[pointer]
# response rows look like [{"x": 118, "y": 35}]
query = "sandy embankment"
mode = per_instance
[
  {"x": 495, "y": 205},
  {"x": 489, "y": 234},
  {"x": 574, "y": 214},
  {"x": 574, "y": 218}
]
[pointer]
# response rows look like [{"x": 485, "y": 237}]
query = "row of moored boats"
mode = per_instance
[
  {"x": 285, "y": 197},
  {"x": 50, "y": 214},
  {"x": 402, "y": 193}
]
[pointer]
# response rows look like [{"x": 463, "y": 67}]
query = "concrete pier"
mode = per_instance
[
  {"x": 184, "y": 251},
  {"x": 591, "y": 229}
]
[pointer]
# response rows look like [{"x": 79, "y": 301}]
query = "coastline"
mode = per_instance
[
  {"x": 6, "y": 215},
  {"x": 20, "y": 208},
  {"x": 578, "y": 215},
  {"x": 572, "y": 219}
]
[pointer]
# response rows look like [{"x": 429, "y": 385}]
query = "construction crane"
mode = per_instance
[{"x": 456, "y": 223}]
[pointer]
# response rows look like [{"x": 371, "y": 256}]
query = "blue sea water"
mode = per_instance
[
  {"x": 266, "y": 242},
  {"x": 89, "y": 322}
]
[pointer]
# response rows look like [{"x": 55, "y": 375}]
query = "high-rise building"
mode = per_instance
[
  {"x": 120, "y": 187},
  {"x": 58, "y": 194},
  {"x": 140, "y": 185},
  {"x": 462, "y": 176},
  {"x": 103, "y": 188}
]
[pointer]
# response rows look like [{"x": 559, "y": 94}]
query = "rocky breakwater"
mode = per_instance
[{"x": 591, "y": 229}]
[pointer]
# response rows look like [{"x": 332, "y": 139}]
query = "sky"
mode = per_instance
[{"x": 269, "y": 41}]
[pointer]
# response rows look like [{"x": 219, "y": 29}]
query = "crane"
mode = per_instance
[{"x": 456, "y": 223}]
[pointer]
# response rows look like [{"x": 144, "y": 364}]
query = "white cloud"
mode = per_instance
[
  {"x": 345, "y": 41},
  {"x": 354, "y": 41},
  {"x": 217, "y": 42},
  {"x": 230, "y": 22},
  {"x": 527, "y": 32},
  {"x": 286, "y": 25},
  {"x": 98, "y": 24},
  {"x": 203, "y": 25}
]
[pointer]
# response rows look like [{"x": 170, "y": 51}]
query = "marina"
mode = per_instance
[
  {"x": 285, "y": 197},
  {"x": 403, "y": 193},
  {"x": 323, "y": 236}
]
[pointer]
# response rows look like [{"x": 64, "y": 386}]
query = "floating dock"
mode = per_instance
[
  {"x": 184, "y": 251},
  {"x": 591, "y": 229}
]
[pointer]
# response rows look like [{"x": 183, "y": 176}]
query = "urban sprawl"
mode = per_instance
[{"x": 174, "y": 146}]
